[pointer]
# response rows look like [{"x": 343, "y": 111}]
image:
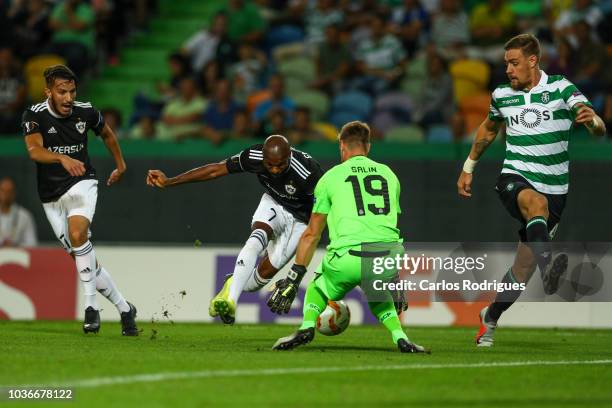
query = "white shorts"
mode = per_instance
[
  {"x": 80, "y": 199},
  {"x": 287, "y": 230}
]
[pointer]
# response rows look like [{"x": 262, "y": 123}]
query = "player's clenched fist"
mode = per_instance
[
  {"x": 157, "y": 178},
  {"x": 464, "y": 184}
]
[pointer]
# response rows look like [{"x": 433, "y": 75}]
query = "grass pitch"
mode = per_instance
[{"x": 209, "y": 365}]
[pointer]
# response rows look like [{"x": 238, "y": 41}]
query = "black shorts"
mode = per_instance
[{"x": 508, "y": 188}]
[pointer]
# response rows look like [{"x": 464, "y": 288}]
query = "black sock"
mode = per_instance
[
  {"x": 539, "y": 241},
  {"x": 504, "y": 299}
]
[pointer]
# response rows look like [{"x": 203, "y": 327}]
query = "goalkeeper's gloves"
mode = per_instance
[{"x": 286, "y": 289}]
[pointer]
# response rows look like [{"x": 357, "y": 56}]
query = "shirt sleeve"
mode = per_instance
[
  {"x": 494, "y": 112},
  {"x": 249, "y": 160},
  {"x": 29, "y": 123},
  {"x": 572, "y": 95},
  {"x": 95, "y": 120},
  {"x": 322, "y": 200}
]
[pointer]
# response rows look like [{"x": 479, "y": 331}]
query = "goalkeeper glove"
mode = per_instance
[{"x": 286, "y": 289}]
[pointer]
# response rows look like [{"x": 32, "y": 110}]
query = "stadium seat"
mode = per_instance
[
  {"x": 417, "y": 68},
  {"x": 469, "y": 77},
  {"x": 412, "y": 87},
  {"x": 439, "y": 134},
  {"x": 316, "y": 101},
  {"x": 284, "y": 34},
  {"x": 293, "y": 86},
  {"x": 474, "y": 109},
  {"x": 397, "y": 102},
  {"x": 405, "y": 134},
  {"x": 384, "y": 120},
  {"x": 326, "y": 129},
  {"x": 340, "y": 118},
  {"x": 298, "y": 67},
  {"x": 358, "y": 103},
  {"x": 34, "y": 69}
]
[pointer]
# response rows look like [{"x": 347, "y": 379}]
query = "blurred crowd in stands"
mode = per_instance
[{"x": 415, "y": 70}]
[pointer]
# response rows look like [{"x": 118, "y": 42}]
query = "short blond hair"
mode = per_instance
[{"x": 355, "y": 132}]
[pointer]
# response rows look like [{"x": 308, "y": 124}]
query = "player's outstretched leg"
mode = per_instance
[
  {"x": 386, "y": 314},
  {"x": 315, "y": 302},
  {"x": 106, "y": 286},
  {"x": 224, "y": 304}
]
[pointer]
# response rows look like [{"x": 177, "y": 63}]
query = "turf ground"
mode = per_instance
[{"x": 206, "y": 365}]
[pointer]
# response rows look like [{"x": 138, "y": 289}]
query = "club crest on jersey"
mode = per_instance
[
  {"x": 545, "y": 97},
  {"x": 290, "y": 189},
  {"x": 80, "y": 126}
]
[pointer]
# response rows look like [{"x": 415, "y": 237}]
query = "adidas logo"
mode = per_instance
[{"x": 52, "y": 130}]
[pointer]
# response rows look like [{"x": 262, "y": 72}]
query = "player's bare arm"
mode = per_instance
[
  {"x": 110, "y": 140},
  {"x": 310, "y": 239},
  {"x": 38, "y": 153},
  {"x": 485, "y": 135},
  {"x": 157, "y": 178},
  {"x": 587, "y": 116}
]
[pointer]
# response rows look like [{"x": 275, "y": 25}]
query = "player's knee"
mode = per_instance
[
  {"x": 536, "y": 205},
  {"x": 258, "y": 240},
  {"x": 77, "y": 237}
]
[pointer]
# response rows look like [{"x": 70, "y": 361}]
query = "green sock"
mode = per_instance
[
  {"x": 386, "y": 314},
  {"x": 314, "y": 303}
]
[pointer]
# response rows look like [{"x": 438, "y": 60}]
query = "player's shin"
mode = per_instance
[
  {"x": 315, "y": 302},
  {"x": 106, "y": 286},
  {"x": 504, "y": 299},
  {"x": 85, "y": 259},
  {"x": 247, "y": 259},
  {"x": 386, "y": 314},
  {"x": 539, "y": 241}
]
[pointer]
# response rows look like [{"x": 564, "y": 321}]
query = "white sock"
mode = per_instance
[
  {"x": 106, "y": 286},
  {"x": 247, "y": 259},
  {"x": 85, "y": 258},
  {"x": 256, "y": 282}
]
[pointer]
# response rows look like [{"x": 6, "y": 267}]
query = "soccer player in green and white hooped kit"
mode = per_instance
[
  {"x": 538, "y": 111},
  {"x": 359, "y": 199}
]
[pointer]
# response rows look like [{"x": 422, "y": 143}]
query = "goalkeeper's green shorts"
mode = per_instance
[{"x": 341, "y": 271}]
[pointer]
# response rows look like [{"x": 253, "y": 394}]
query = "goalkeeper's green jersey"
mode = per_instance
[{"x": 361, "y": 200}]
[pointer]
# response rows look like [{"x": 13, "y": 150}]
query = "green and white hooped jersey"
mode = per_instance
[{"x": 538, "y": 124}]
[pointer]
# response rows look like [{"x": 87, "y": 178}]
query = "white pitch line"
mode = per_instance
[{"x": 168, "y": 376}]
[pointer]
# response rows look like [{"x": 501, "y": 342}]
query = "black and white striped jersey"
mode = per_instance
[
  {"x": 62, "y": 135},
  {"x": 293, "y": 189}
]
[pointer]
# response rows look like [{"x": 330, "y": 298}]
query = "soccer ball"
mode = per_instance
[{"x": 334, "y": 319}]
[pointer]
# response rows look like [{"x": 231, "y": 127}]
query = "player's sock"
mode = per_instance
[
  {"x": 539, "y": 241},
  {"x": 386, "y": 314},
  {"x": 315, "y": 302},
  {"x": 504, "y": 299},
  {"x": 106, "y": 286},
  {"x": 256, "y": 282},
  {"x": 247, "y": 259},
  {"x": 85, "y": 259}
]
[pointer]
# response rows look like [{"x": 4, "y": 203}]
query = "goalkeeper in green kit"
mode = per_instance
[{"x": 359, "y": 199}]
